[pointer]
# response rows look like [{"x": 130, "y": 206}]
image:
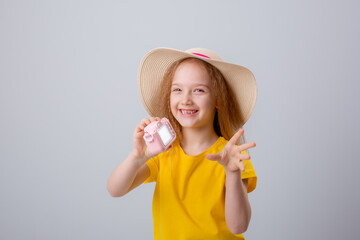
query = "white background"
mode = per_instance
[{"x": 69, "y": 104}]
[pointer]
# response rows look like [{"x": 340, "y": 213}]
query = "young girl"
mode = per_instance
[{"x": 203, "y": 180}]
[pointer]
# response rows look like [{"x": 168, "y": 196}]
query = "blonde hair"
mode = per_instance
[{"x": 227, "y": 117}]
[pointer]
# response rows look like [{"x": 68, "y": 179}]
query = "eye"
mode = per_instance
[
  {"x": 176, "y": 90},
  {"x": 199, "y": 90}
]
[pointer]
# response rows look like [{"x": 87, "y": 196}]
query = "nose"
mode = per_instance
[{"x": 186, "y": 99}]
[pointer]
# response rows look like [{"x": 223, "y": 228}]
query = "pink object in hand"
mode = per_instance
[{"x": 159, "y": 136}]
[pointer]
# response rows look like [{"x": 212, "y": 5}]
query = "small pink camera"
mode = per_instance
[{"x": 159, "y": 135}]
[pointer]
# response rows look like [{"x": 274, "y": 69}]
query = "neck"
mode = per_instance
[{"x": 198, "y": 137}]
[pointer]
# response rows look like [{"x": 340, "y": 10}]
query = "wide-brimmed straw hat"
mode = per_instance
[{"x": 155, "y": 63}]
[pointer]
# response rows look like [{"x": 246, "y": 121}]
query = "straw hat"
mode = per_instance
[{"x": 155, "y": 63}]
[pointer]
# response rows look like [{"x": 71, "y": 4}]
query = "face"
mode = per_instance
[{"x": 191, "y": 100}]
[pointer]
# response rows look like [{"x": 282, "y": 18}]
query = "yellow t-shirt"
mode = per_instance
[{"x": 189, "y": 197}]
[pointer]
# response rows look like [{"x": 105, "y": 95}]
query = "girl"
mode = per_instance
[{"x": 203, "y": 180}]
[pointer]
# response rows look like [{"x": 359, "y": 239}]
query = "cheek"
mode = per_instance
[
  {"x": 172, "y": 103},
  {"x": 209, "y": 103}
]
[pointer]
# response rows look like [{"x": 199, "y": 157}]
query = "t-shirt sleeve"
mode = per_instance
[
  {"x": 249, "y": 174},
  {"x": 153, "y": 164}
]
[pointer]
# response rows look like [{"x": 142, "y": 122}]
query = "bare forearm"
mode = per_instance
[
  {"x": 237, "y": 205},
  {"x": 123, "y": 176}
]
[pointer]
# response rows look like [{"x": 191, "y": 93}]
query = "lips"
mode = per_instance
[{"x": 188, "y": 111}]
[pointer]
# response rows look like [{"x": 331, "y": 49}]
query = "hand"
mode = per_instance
[
  {"x": 231, "y": 157},
  {"x": 140, "y": 149}
]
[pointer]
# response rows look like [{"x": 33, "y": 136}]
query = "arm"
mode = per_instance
[
  {"x": 237, "y": 205},
  {"x": 132, "y": 171},
  {"x": 127, "y": 176}
]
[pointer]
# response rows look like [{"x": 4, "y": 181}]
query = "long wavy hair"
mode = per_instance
[{"x": 227, "y": 117}]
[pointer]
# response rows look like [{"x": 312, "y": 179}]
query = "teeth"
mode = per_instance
[{"x": 188, "y": 111}]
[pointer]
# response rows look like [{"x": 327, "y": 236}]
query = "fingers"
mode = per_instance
[
  {"x": 147, "y": 121},
  {"x": 241, "y": 166},
  {"x": 144, "y": 122},
  {"x": 243, "y": 156},
  {"x": 240, "y": 162},
  {"x": 213, "y": 157},
  {"x": 236, "y": 136},
  {"x": 152, "y": 119},
  {"x": 246, "y": 146}
]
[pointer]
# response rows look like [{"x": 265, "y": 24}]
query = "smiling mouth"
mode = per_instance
[{"x": 183, "y": 111}]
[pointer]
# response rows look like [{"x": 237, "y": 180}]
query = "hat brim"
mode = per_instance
[{"x": 155, "y": 63}]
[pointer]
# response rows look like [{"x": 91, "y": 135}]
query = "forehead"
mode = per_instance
[{"x": 191, "y": 72}]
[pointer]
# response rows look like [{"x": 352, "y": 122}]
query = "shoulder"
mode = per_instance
[
  {"x": 168, "y": 153},
  {"x": 220, "y": 144}
]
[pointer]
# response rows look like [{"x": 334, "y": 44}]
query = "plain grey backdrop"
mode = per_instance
[{"x": 69, "y": 104}]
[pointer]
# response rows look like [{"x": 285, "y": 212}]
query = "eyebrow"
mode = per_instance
[{"x": 197, "y": 85}]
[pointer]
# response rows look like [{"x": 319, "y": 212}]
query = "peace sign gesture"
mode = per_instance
[{"x": 231, "y": 157}]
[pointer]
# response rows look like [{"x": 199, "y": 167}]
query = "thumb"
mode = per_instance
[{"x": 214, "y": 157}]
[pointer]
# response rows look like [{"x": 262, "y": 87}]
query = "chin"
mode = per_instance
[{"x": 190, "y": 124}]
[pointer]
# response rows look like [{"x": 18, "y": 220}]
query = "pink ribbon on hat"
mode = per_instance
[{"x": 201, "y": 55}]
